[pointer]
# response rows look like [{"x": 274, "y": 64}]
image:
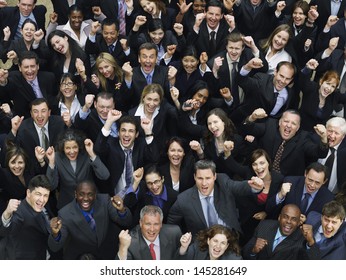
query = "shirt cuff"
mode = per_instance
[
  {"x": 105, "y": 132},
  {"x": 92, "y": 38},
  {"x": 83, "y": 115}
]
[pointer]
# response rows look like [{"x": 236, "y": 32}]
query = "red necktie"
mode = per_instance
[{"x": 152, "y": 251}]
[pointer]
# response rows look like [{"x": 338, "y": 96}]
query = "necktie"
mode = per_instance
[
  {"x": 45, "y": 217},
  {"x": 92, "y": 223},
  {"x": 149, "y": 80},
  {"x": 36, "y": 90},
  {"x": 44, "y": 139},
  {"x": 304, "y": 203},
  {"x": 212, "y": 43},
  {"x": 330, "y": 160},
  {"x": 111, "y": 48},
  {"x": 277, "y": 159},
  {"x": 234, "y": 85},
  {"x": 277, "y": 241},
  {"x": 121, "y": 18},
  {"x": 128, "y": 167},
  {"x": 152, "y": 251},
  {"x": 212, "y": 219}
]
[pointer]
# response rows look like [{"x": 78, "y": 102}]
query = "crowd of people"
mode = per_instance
[{"x": 175, "y": 129}]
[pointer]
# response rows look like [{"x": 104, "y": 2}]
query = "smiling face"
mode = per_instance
[
  {"x": 150, "y": 102},
  {"x": 28, "y": 32},
  {"x": 150, "y": 226},
  {"x": 289, "y": 124},
  {"x": 149, "y": 7},
  {"x": 334, "y": 135},
  {"x": 217, "y": 246},
  {"x": 71, "y": 149},
  {"x": 37, "y": 198},
  {"x": 157, "y": 36},
  {"x": 261, "y": 167},
  {"x": 314, "y": 180},
  {"x": 68, "y": 88},
  {"x": 16, "y": 165},
  {"x": 127, "y": 135},
  {"x": 289, "y": 219},
  {"x": 85, "y": 195},
  {"x": 216, "y": 125},
  {"x": 198, "y": 6},
  {"x": 298, "y": 16},
  {"x": 213, "y": 17},
  {"x": 76, "y": 19},
  {"x": 327, "y": 87},
  {"x": 201, "y": 97},
  {"x": 330, "y": 225},
  {"x": 154, "y": 183},
  {"x": 29, "y": 69},
  {"x": 280, "y": 40},
  {"x": 147, "y": 60},
  {"x": 26, "y": 7},
  {"x": 234, "y": 49},
  {"x": 103, "y": 106},
  {"x": 110, "y": 34},
  {"x": 205, "y": 181},
  {"x": 175, "y": 154},
  {"x": 283, "y": 77},
  {"x": 190, "y": 63},
  {"x": 40, "y": 114},
  {"x": 106, "y": 69},
  {"x": 59, "y": 44}
]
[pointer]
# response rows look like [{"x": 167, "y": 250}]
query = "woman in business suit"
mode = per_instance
[
  {"x": 178, "y": 167},
  {"x": 72, "y": 164},
  {"x": 214, "y": 243},
  {"x": 162, "y": 115}
]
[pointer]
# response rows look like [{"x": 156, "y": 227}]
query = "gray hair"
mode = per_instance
[
  {"x": 151, "y": 210},
  {"x": 338, "y": 122}
]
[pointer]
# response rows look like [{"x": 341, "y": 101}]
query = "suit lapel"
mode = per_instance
[{"x": 197, "y": 206}]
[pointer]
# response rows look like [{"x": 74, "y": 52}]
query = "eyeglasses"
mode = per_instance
[
  {"x": 156, "y": 182},
  {"x": 68, "y": 84}
]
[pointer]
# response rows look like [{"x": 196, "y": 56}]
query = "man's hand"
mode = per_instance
[{"x": 260, "y": 244}]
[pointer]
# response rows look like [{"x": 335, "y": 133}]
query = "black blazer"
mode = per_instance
[{"x": 61, "y": 7}]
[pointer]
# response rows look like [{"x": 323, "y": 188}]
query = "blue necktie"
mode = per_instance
[
  {"x": 149, "y": 79},
  {"x": 212, "y": 219},
  {"x": 304, "y": 203},
  {"x": 128, "y": 167},
  {"x": 277, "y": 241}
]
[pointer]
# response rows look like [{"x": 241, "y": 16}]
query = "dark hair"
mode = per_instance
[
  {"x": 204, "y": 165},
  {"x": 27, "y": 55},
  {"x": 215, "y": 3},
  {"x": 39, "y": 181},
  {"x": 75, "y": 8},
  {"x": 13, "y": 150},
  {"x": 129, "y": 119},
  {"x": 87, "y": 182},
  {"x": 256, "y": 154},
  {"x": 148, "y": 46},
  {"x": 235, "y": 37},
  {"x": 155, "y": 24},
  {"x": 109, "y": 22},
  {"x": 190, "y": 50},
  {"x": 104, "y": 95},
  {"x": 181, "y": 141},
  {"x": 29, "y": 20},
  {"x": 231, "y": 235},
  {"x": 197, "y": 86},
  {"x": 265, "y": 44},
  {"x": 63, "y": 78},
  {"x": 151, "y": 168},
  {"x": 38, "y": 101},
  {"x": 318, "y": 167},
  {"x": 333, "y": 209},
  {"x": 288, "y": 65},
  {"x": 71, "y": 135},
  {"x": 159, "y": 4},
  {"x": 303, "y": 5}
]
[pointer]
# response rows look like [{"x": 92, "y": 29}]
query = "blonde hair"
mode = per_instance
[
  {"x": 153, "y": 88},
  {"x": 109, "y": 59}
]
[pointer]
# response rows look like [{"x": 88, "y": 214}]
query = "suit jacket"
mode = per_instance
[
  {"x": 299, "y": 151},
  {"x": 28, "y": 234},
  {"x": 294, "y": 196},
  {"x": 61, "y": 7},
  {"x": 293, "y": 247},
  {"x": 21, "y": 92},
  {"x": 78, "y": 238},
  {"x": 91, "y": 126},
  {"x": 188, "y": 208},
  {"x": 337, "y": 30},
  {"x": 111, "y": 153},
  {"x": 169, "y": 244},
  {"x": 10, "y": 16},
  {"x": 333, "y": 248}
]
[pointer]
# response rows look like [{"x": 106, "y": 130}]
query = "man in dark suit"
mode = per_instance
[
  {"x": 83, "y": 225},
  {"x": 23, "y": 86},
  {"x": 328, "y": 231},
  {"x": 307, "y": 192},
  {"x": 26, "y": 224},
  {"x": 150, "y": 240},
  {"x": 211, "y": 201},
  {"x": 336, "y": 131},
  {"x": 280, "y": 240},
  {"x": 290, "y": 148},
  {"x": 125, "y": 153},
  {"x": 13, "y": 17}
]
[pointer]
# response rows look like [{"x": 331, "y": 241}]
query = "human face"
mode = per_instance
[
  {"x": 217, "y": 246},
  {"x": 201, "y": 97},
  {"x": 298, "y": 17},
  {"x": 289, "y": 124},
  {"x": 68, "y": 88},
  {"x": 213, "y": 17},
  {"x": 85, "y": 196},
  {"x": 156, "y": 36},
  {"x": 216, "y": 125},
  {"x": 110, "y": 34},
  {"x": 59, "y": 44},
  {"x": 261, "y": 167},
  {"x": 29, "y": 69},
  {"x": 127, "y": 135},
  {"x": 205, "y": 181},
  {"x": 175, "y": 154},
  {"x": 330, "y": 225},
  {"x": 16, "y": 165},
  {"x": 280, "y": 40},
  {"x": 150, "y": 226},
  {"x": 150, "y": 102},
  {"x": 147, "y": 60},
  {"x": 103, "y": 106},
  {"x": 154, "y": 183},
  {"x": 37, "y": 198},
  {"x": 190, "y": 64},
  {"x": 28, "y": 32},
  {"x": 334, "y": 135},
  {"x": 26, "y": 7},
  {"x": 76, "y": 18},
  {"x": 283, "y": 77},
  {"x": 198, "y": 7},
  {"x": 289, "y": 220},
  {"x": 327, "y": 88},
  {"x": 314, "y": 181},
  {"x": 106, "y": 69},
  {"x": 149, "y": 7},
  {"x": 234, "y": 49},
  {"x": 40, "y": 114},
  {"x": 71, "y": 149}
]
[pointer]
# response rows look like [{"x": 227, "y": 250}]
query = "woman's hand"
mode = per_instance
[{"x": 185, "y": 241}]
